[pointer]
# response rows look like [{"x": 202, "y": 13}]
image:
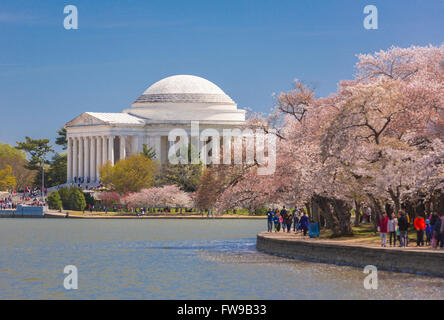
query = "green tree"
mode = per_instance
[
  {"x": 65, "y": 194},
  {"x": 54, "y": 201},
  {"x": 7, "y": 180},
  {"x": 77, "y": 200},
  {"x": 24, "y": 177},
  {"x": 89, "y": 199},
  {"x": 185, "y": 176},
  {"x": 37, "y": 149},
  {"x": 129, "y": 175},
  {"x": 148, "y": 152},
  {"x": 8, "y": 150},
  {"x": 56, "y": 173},
  {"x": 61, "y": 139}
]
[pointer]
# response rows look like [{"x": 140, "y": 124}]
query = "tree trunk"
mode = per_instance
[
  {"x": 342, "y": 212},
  {"x": 307, "y": 206},
  {"x": 440, "y": 205},
  {"x": 315, "y": 211},
  {"x": 323, "y": 203},
  {"x": 357, "y": 213},
  {"x": 337, "y": 214},
  {"x": 395, "y": 199},
  {"x": 376, "y": 211},
  {"x": 420, "y": 208}
]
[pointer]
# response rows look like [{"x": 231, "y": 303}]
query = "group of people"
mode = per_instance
[
  {"x": 7, "y": 204},
  {"x": 396, "y": 228},
  {"x": 285, "y": 220},
  {"x": 14, "y": 199}
]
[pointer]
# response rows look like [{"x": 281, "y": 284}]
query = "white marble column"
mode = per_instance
[
  {"x": 140, "y": 144},
  {"x": 75, "y": 158},
  {"x": 171, "y": 150},
  {"x": 135, "y": 145},
  {"x": 111, "y": 149},
  {"x": 81, "y": 156},
  {"x": 69, "y": 161},
  {"x": 92, "y": 159},
  {"x": 98, "y": 156},
  {"x": 157, "y": 147},
  {"x": 122, "y": 147},
  {"x": 86, "y": 159},
  {"x": 104, "y": 151}
]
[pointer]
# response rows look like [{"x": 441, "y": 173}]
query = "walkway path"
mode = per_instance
[{"x": 353, "y": 242}]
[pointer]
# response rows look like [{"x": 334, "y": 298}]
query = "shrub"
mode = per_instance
[
  {"x": 89, "y": 198},
  {"x": 54, "y": 201},
  {"x": 260, "y": 211},
  {"x": 77, "y": 200},
  {"x": 64, "y": 196}
]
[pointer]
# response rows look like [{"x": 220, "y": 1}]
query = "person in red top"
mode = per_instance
[
  {"x": 382, "y": 224},
  {"x": 420, "y": 226}
]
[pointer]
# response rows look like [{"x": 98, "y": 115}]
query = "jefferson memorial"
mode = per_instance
[{"x": 95, "y": 138}]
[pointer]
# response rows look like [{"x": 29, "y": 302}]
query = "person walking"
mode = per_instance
[
  {"x": 304, "y": 223},
  {"x": 441, "y": 231},
  {"x": 436, "y": 237},
  {"x": 270, "y": 219},
  {"x": 434, "y": 217},
  {"x": 281, "y": 221},
  {"x": 420, "y": 226},
  {"x": 403, "y": 226},
  {"x": 284, "y": 213},
  {"x": 277, "y": 225},
  {"x": 391, "y": 228},
  {"x": 295, "y": 220},
  {"x": 428, "y": 232},
  {"x": 289, "y": 221},
  {"x": 382, "y": 225}
]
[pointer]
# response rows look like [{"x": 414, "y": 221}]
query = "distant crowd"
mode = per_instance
[
  {"x": 29, "y": 197},
  {"x": 7, "y": 203},
  {"x": 396, "y": 228},
  {"x": 286, "y": 221}
]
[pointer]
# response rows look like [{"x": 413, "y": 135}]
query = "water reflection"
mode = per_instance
[{"x": 175, "y": 259}]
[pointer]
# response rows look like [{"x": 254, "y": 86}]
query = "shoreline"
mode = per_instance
[
  {"x": 409, "y": 260},
  {"x": 58, "y": 215}
]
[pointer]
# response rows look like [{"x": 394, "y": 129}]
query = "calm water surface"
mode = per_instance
[{"x": 175, "y": 259}]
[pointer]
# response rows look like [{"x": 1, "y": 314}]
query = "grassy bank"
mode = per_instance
[
  {"x": 173, "y": 213},
  {"x": 365, "y": 233}
]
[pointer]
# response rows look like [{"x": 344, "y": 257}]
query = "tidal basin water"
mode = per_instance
[{"x": 175, "y": 259}]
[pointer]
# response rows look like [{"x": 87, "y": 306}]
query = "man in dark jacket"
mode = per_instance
[
  {"x": 433, "y": 219},
  {"x": 295, "y": 219},
  {"x": 403, "y": 226},
  {"x": 289, "y": 221},
  {"x": 304, "y": 221},
  {"x": 270, "y": 216},
  {"x": 437, "y": 232},
  {"x": 284, "y": 214}
]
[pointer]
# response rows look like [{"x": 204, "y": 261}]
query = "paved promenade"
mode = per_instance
[
  {"x": 352, "y": 242},
  {"x": 354, "y": 252}
]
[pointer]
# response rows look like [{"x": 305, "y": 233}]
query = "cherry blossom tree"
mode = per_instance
[
  {"x": 166, "y": 196},
  {"x": 377, "y": 140}
]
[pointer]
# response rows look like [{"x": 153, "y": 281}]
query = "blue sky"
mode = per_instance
[{"x": 251, "y": 49}]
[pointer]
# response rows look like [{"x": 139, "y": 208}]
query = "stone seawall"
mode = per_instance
[{"x": 394, "y": 259}]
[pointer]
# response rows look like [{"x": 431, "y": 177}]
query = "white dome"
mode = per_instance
[{"x": 184, "y": 89}]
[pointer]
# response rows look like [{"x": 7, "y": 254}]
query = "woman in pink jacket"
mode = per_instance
[{"x": 382, "y": 224}]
